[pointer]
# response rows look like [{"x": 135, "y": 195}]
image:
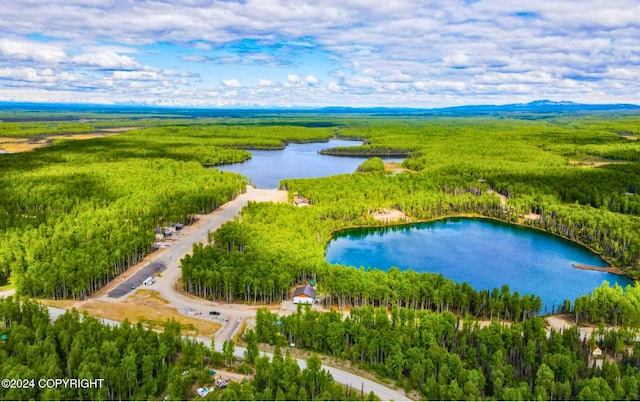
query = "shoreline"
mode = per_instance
[
  {"x": 409, "y": 221},
  {"x": 611, "y": 270}
]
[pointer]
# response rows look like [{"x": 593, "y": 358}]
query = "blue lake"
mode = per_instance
[
  {"x": 267, "y": 168},
  {"x": 485, "y": 253}
]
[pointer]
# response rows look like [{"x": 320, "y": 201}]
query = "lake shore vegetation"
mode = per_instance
[{"x": 516, "y": 171}]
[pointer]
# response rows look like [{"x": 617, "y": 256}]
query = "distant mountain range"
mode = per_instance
[
  {"x": 541, "y": 106},
  {"x": 536, "y": 108}
]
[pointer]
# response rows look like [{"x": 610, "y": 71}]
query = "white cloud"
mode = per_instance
[
  {"x": 136, "y": 75},
  {"x": 293, "y": 79},
  {"x": 202, "y": 46},
  {"x": 32, "y": 51},
  {"x": 456, "y": 51},
  {"x": 265, "y": 83},
  {"x": 231, "y": 83},
  {"x": 457, "y": 60},
  {"x": 107, "y": 60}
]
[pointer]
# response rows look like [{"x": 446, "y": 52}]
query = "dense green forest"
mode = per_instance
[
  {"x": 445, "y": 358},
  {"x": 76, "y": 214},
  {"x": 138, "y": 364},
  {"x": 545, "y": 170}
]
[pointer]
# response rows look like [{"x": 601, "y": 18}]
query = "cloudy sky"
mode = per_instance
[{"x": 225, "y": 53}]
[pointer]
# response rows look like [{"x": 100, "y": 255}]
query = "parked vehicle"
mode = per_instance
[{"x": 149, "y": 281}]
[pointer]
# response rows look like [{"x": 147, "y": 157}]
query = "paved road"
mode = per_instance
[
  {"x": 168, "y": 262},
  {"x": 231, "y": 316},
  {"x": 354, "y": 381}
]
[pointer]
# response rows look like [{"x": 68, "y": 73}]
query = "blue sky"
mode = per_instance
[{"x": 261, "y": 53}]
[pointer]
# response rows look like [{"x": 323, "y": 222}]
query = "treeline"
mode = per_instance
[
  {"x": 366, "y": 151},
  {"x": 133, "y": 363},
  {"x": 281, "y": 379},
  {"x": 75, "y": 215},
  {"x": 615, "y": 236},
  {"x": 610, "y": 304},
  {"x": 70, "y": 228},
  {"x": 273, "y": 247},
  {"x": 30, "y": 129},
  {"x": 445, "y": 359},
  {"x": 612, "y": 186}
]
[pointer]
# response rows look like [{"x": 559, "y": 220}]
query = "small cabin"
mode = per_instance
[{"x": 304, "y": 295}]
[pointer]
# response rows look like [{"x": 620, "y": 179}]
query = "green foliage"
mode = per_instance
[
  {"x": 366, "y": 150},
  {"x": 372, "y": 165},
  {"x": 463, "y": 166},
  {"x": 76, "y": 214},
  {"x": 134, "y": 363},
  {"x": 73, "y": 222},
  {"x": 29, "y": 129},
  {"x": 610, "y": 304},
  {"x": 445, "y": 359}
]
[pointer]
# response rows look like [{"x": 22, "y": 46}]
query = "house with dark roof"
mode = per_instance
[{"x": 304, "y": 295}]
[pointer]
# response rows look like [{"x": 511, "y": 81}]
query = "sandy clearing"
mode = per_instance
[
  {"x": 149, "y": 308},
  {"x": 389, "y": 215},
  {"x": 15, "y": 145}
]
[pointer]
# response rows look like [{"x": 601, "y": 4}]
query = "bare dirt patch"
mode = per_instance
[
  {"x": 594, "y": 162},
  {"x": 532, "y": 217},
  {"x": 14, "y": 145},
  {"x": 389, "y": 215},
  {"x": 230, "y": 375},
  {"x": 63, "y": 303},
  {"x": 611, "y": 270},
  {"x": 628, "y": 135},
  {"x": 395, "y": 167},
  {"x": 150, "y": 309}
]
